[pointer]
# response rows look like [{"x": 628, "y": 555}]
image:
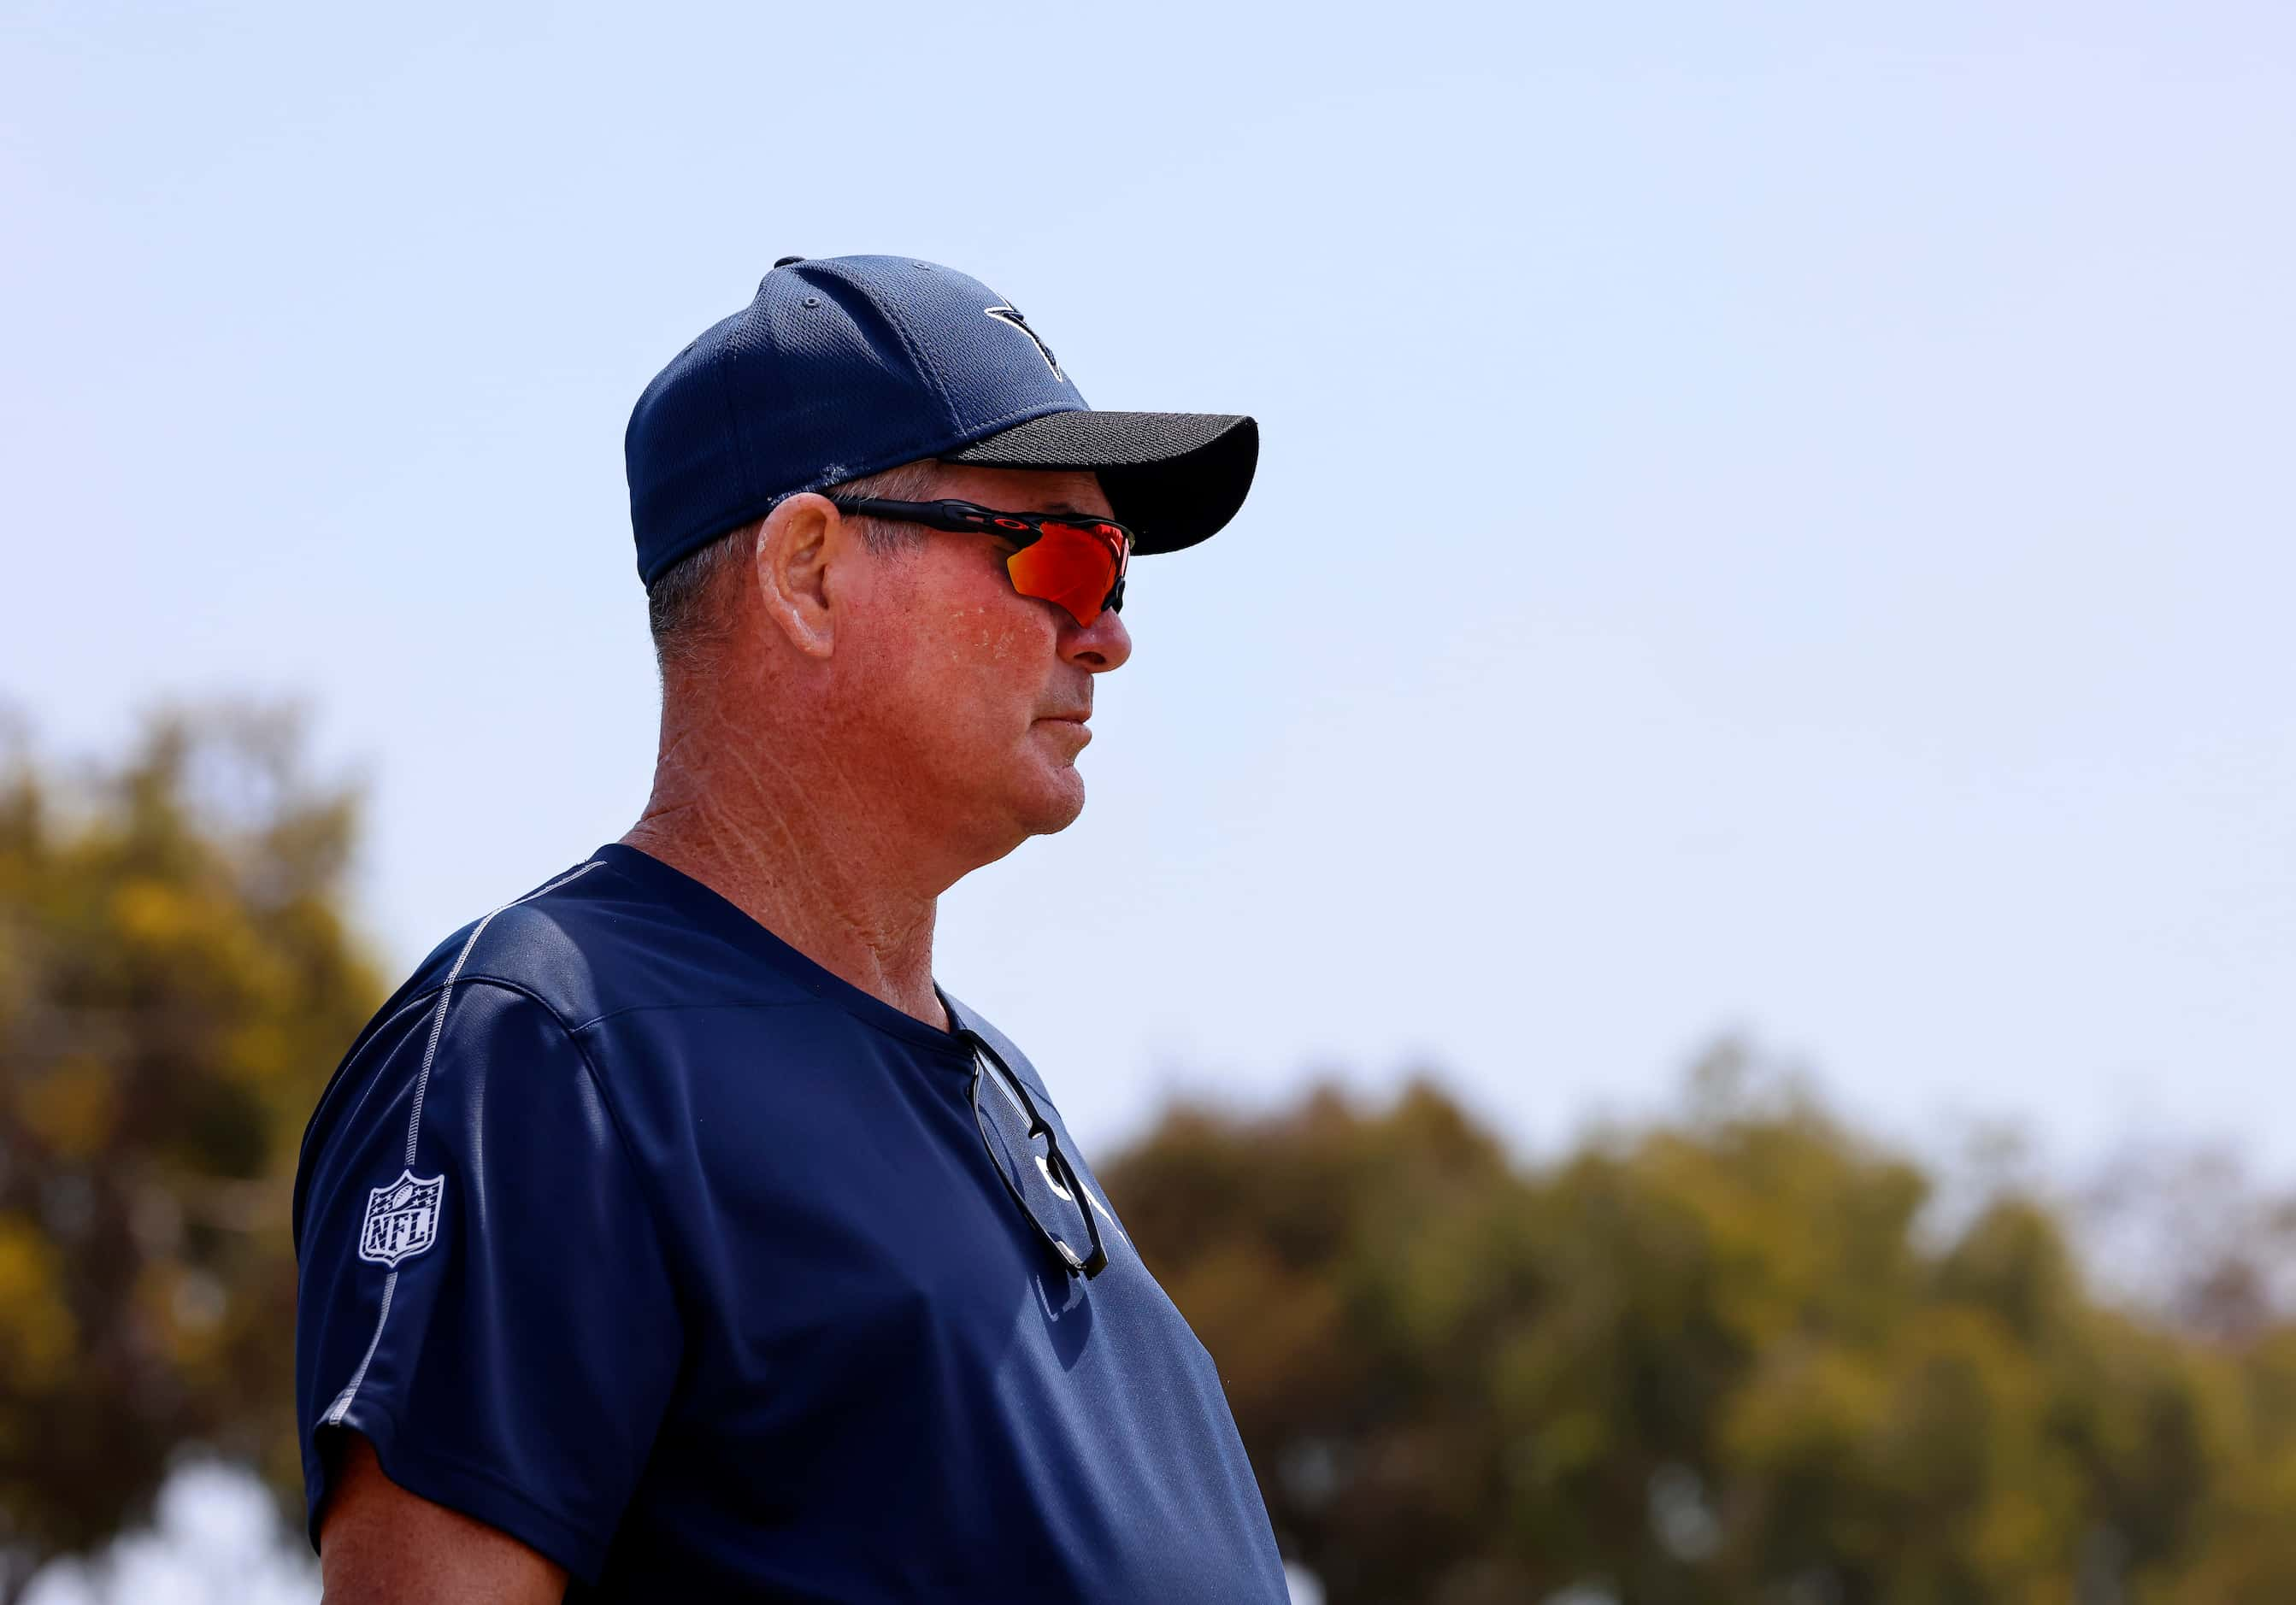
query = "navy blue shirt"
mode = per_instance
[{"x": 629, "y": 1230}]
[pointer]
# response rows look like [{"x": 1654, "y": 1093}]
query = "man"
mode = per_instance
[{"x": 670, "y": 1234}]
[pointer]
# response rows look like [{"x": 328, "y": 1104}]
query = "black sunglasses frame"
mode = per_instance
[
  {"x": 1023, "y": 529},
  {"x": 1059, "y": 1171}
]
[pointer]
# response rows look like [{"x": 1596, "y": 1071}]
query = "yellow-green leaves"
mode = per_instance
[
  {"x": 1721, "y": 1359},
  {"x": 175, "y": 984}
]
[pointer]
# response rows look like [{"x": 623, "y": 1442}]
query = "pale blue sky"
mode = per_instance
[{"x": 1776, "y": 520}]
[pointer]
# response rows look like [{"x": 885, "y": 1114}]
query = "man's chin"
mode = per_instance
[
  {"x": 1050, "y": 792},
  {"x": 1056, "y": 806},
  {"x": 1002, "y": 821}
]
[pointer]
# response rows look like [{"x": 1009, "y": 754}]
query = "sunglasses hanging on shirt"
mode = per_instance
[{"x": 1011, "y": 1130}]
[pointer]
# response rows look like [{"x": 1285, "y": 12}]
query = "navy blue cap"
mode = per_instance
[{"x": 845, "y": 366}]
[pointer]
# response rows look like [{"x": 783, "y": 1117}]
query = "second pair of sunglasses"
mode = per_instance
[{"x": 1073, "y": 562}]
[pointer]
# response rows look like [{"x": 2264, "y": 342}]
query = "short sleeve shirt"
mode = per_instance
[{"x": 627, "y": 1229}]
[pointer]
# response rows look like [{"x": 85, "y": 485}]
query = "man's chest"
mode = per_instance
[{"x": 877, "y": 1332}]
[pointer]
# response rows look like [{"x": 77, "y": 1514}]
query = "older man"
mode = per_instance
[{"x": 670, "y": 1234}]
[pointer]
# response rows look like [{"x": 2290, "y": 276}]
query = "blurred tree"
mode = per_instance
[
  {"x": 1732, "y": 1357},
  {"x": 1725, "y": 1359},
  {"x": 176, "y": 980}
]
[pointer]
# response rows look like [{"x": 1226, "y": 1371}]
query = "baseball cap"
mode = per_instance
[{"x": 845, "y": 366}]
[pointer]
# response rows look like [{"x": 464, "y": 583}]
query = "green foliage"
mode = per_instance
[
  {"x": 1728, "y": 1358},
  {"x": 1719, "y": 1360},
  {"x": 176, "y": 980}
]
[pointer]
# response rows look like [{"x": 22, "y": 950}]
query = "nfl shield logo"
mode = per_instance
[{"x": 402, "y": 1218}]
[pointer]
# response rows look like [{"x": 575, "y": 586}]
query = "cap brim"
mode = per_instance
[{"x": 1174, "y": 478}]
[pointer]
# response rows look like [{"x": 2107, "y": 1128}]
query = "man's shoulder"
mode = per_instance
[
  {"x": 590, "y": 942},
  {"x": 594, "y": 942},
  {"x": 559, "y": 942}
]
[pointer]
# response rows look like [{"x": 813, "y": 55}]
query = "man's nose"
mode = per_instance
[{"x": 1097, "y": 647}]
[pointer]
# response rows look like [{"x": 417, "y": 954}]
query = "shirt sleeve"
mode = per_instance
[{"x": 483, "y": 1295}]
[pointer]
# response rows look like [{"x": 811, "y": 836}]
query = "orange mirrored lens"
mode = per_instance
[{"x": 1074, "y": 565}]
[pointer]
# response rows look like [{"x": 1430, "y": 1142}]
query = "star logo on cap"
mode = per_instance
[{"x": 1011, "y": 314}]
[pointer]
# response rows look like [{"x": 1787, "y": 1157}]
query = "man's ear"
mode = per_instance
[{"x": 790, "y": 569}]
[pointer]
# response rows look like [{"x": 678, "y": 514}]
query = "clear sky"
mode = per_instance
[{"x": 1773, "y": 518}]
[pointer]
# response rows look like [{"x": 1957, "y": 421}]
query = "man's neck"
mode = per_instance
[{"x": 826, "y": 886}]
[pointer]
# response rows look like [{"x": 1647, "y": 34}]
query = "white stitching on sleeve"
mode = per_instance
[{"x": 342, "y": 1406}]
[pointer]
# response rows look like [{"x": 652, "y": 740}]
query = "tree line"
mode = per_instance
[{"x": 1736, "y": 1355}]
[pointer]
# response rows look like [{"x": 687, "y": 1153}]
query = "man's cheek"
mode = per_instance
[{"x": 993, "y": 636}]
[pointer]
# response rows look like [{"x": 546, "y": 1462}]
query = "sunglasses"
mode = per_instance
[
  {"x": 1076, "y": 563},
  {"x": 1011, "y": 1130}
]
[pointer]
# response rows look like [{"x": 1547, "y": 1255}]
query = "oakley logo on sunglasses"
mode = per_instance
[{"x": 1011, "y": 314}]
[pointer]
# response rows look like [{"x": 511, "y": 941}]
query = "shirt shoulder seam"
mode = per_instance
[
  {"x": 713, "y": 1002},
  {"x": 601, "y": 1085}
]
